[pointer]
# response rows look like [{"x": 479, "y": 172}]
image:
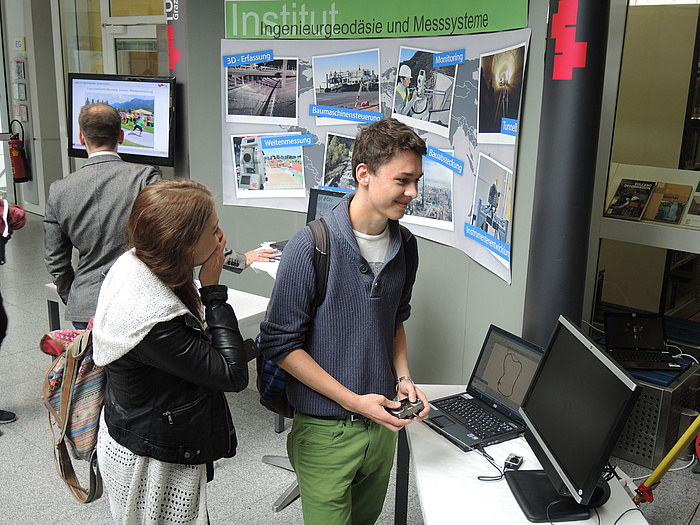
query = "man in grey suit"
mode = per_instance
[{"x": 88, "y": 210}]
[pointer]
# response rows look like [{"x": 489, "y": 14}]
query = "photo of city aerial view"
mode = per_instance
[
  {"x": 347, "y": 80},
  {"x": 337, "y": 166},
  {"x": 263, "y": 93},
  {"x": 434, "y": 203}
]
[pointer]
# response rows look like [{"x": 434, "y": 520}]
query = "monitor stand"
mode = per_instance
[{"x": 535, "y": 493}]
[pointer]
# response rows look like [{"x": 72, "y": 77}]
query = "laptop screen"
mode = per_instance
[
  {"x": 321, "y": 201},
  {"x": 635, "y": 331},
  {"x": 504, "y": 370}
]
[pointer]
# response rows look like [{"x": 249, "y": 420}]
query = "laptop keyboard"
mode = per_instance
[
  {"x": 478, "y": 420},
  {"x": 643, "y": 356}
]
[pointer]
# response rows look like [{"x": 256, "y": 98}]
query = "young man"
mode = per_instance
[{"x": 348, "y": 358}]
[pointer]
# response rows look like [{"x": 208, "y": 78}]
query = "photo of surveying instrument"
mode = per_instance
[
  {"x": 425, "y": 94},
  {"x": 252, "y": 165}
]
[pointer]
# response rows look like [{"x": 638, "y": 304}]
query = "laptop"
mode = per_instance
[
  {"x": 502, "y": 374},
  {"x": 321, "y": 201},
  {"x": 638, "y": 341}
]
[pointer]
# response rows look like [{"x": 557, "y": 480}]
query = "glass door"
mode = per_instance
[
  {"x": 135, "y": 50},
  {"x": 134, "y": 37}
]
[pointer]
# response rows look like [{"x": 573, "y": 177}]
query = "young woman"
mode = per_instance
[{"x": 170, "y": 353}]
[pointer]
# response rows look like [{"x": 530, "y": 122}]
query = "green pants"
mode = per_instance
[{"x": 342, "y": 467}]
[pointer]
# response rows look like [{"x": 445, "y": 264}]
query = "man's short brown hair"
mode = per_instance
[
  {"x": 100, "y": 124},
  {"x": 377, "y": 144}
]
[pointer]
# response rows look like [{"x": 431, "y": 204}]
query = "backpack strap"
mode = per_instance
[
  {"x": 321, "y": 258},
  {"x": 406, "y": 236},
  {"x": 409, "y": 255}
]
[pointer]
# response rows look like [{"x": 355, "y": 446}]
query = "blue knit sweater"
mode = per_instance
[{"x": 352, "y": 334}]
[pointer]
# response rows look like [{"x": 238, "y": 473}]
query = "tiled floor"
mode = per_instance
[{"x": 31, "y": 492}]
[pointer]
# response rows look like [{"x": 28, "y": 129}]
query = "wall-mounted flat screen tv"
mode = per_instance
[{"x": 147, "y": 108}]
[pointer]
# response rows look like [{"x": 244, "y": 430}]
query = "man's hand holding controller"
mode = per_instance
[{"x": 407, "y": 410}]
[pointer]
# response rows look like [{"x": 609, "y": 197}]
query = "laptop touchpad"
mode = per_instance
[{"x": 441, "y": 421}]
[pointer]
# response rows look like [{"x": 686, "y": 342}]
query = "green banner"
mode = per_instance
[{"x": 325, "y": 19}]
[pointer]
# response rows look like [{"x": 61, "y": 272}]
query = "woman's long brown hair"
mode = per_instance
[{"x": 167, "y": 219}]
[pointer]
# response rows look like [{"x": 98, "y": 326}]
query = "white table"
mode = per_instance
[
  {"x": 451, "y": 493},
  {"x": 249, "y": 308}
]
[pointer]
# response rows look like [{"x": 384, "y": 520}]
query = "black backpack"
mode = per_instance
[{"x": 272, "y": 379}]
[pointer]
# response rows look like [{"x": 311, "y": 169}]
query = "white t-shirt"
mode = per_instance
[{"x": 374, "y": 248}]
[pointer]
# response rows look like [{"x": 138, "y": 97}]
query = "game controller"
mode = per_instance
[
  {"x": 407, "y": 409},
  {"x": 230, "y": 262}
]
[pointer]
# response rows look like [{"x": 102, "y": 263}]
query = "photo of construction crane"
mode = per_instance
[{"x": 347, "y": 80}]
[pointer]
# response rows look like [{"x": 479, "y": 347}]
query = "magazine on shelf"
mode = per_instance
[
  {"x": 630, "y": 199},
  {"x": 667, "y": 202},
  {"x": 692, "y": 211}
]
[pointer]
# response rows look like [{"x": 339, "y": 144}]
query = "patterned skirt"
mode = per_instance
[{"x": 143, "y": 490}]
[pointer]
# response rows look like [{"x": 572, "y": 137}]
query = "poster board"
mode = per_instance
[{"x": 292, "y": 109}]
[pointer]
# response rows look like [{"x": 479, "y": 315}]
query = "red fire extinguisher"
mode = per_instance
[{"x": 18, "y": 159}]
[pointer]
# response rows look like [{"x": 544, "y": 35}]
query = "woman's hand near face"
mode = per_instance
[{"x": 210, "y": 272}]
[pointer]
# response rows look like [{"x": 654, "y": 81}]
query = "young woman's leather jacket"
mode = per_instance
[{"x": 165, "y": 397}]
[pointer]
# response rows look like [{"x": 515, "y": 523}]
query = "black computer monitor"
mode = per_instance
[
  {"x": 146, "y": 105},
  {"x": 575, "y": 410},
  {"x": 322, "y": 200}
]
